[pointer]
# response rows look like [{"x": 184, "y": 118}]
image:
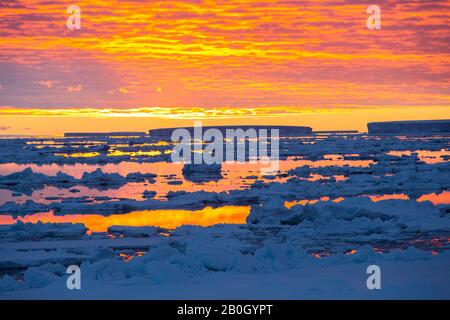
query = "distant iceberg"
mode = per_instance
[
  {"x": 290, "y": 131},
  {"x": 410, "y": 127},
  {"x": 103, "y": 134}
]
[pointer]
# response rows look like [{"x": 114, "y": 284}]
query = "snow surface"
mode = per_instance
[{"x": 318, "y": 249}]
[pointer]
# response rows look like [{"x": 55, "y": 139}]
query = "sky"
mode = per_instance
[{"x": 136, "y": 65}]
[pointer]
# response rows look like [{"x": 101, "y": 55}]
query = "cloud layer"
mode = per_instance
[{"x": 234, "y": 53}]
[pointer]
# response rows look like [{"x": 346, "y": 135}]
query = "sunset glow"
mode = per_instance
[
  {"x": 169, "y": 219},
  {"x": 236, "y": 61}
]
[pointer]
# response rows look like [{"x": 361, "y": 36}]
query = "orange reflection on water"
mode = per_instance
[
  {"x": 317, "y": 177},
  {"x": 78, "y": 155},
  {"x": 168, "y": 219},
  {"x": 126, "y": 257},
  {"x": 7, "y": 220},
  {"x": 395, "y": 196},
  {"x": 328, "y": 161},
  {"x": 290, "y": 204},
  {"x": 427, "y": 156},
  {"x": 164, "y": 168},
  {"x": 120, "y": 153},
  {"x": 442, "y": 198},
  {"x": 304, "y": 202}
]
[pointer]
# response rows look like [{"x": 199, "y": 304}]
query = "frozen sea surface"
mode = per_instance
[{"x": 142, "y": 227}]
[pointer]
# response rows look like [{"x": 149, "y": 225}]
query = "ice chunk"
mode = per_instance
[{"x": 37, "y": 278}]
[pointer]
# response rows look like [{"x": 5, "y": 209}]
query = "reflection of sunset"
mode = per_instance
[
  {"x": 427, "y": 156},
  {"x": 236, "y": 176},
  {"x": 441, "y": 198},
  {"x": 436, "y": 199},
  {"x": 78, "y": 155},
  {"x": 169, "y": 219},
  {"x": 304, "y": 202},
  {"x": 119, "y": 153},
  {"x": 376, "y": 198}
]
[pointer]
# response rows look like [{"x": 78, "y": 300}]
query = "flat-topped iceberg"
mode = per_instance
[{"x": 410, "y": 127}]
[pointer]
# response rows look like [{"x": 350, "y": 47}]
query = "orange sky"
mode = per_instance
[{"x": 310, "y": 62}]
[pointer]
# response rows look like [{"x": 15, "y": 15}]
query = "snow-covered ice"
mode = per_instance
[{"x": 338, "y": 204}]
